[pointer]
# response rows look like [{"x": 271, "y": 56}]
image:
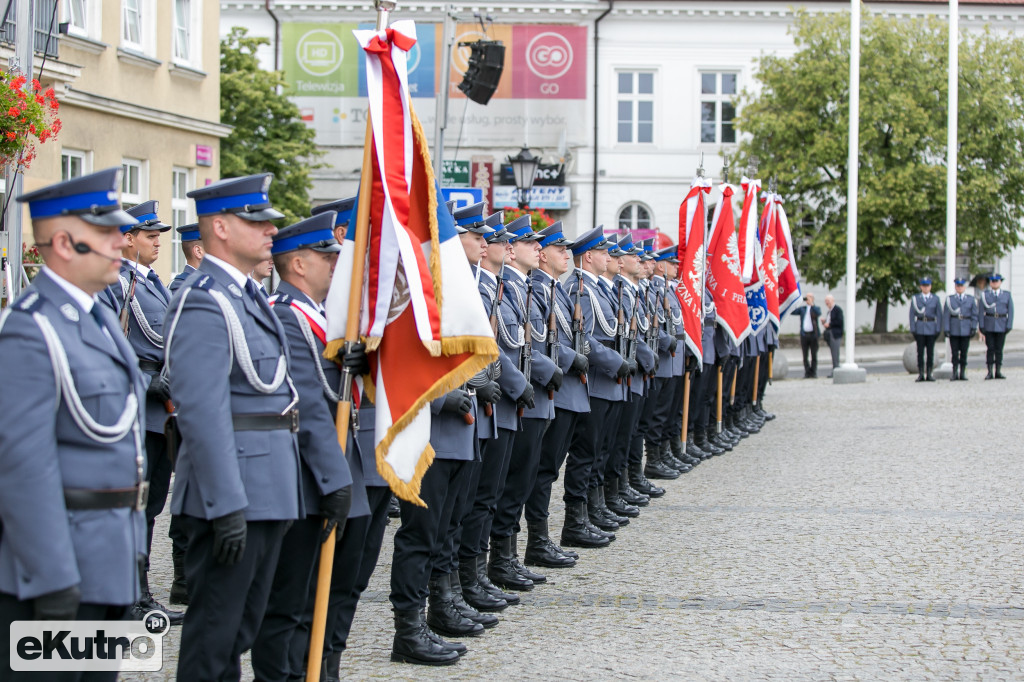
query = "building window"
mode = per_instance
[
  {"x": 183, "y": 30},
  {"x": 133, "y": 182},
  {"x": 74, "y": 163},
  {"x": 76, "y": 17},
  {"x": 635, "y": 106},
  {"x": 131, "y": 29},
  {"x": 181, "y": 183},
  {"x": 634, "y": 216},
  {"x": 717, "y": 110}
]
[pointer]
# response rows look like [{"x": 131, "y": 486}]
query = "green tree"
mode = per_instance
[
  {"x": 268, "y": 135},
  {"x": 797, "y": 124}
]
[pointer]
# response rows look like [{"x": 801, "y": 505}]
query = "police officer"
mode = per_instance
[
  {"x": 72, "y": 466},
  {"x": 662, "y": 402},
  {"x": 925, "y": 325},
  {"x": 192, "y": 249},
  {"x": 304, "y": 256},
  {"x": 143, "y": 311},
  {"x": 237, "y": 484},
  {"x": 996, "y": 320},
  {"x": 960, "y": 320}
]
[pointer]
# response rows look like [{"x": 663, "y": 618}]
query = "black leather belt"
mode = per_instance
[
  {"x": 289, "y": 421},
  {"x": 151, "y": 366},
  {"x": 995, "y": 315},
  {"x": 925, "y": 319},
  {"x": 115, "y": 498},
  {"x": 962, "y": 317}
]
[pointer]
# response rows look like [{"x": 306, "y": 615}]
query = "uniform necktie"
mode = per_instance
[
  {"x": 250, "y": 288},
  {"x": 155, "y": 279}
]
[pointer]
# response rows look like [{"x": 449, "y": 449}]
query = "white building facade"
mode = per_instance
[{"x": 622, "y": 97}]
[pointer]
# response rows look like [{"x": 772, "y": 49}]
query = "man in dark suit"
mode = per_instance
[
  {"x": 833, "y": 323},
  {"x": 808, "y": 315}
]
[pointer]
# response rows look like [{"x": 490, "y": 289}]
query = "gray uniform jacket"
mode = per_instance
[
  {"x": 220, "y": 470},
  {"x": 324, "y": 466},
  {"x": 542, "y": 367},
  {"x": 666, "y": 360},
  {"x": 366, "y": 437},
  {"x": 147, "y": 342},
  {"x": 708, "y": 337},
  {"x": 960, "y": 315},
  {"x": 43, "y": 546},
  {"x": 180, "y": 278},
  {"x": 511, "y": 380},
  {"x": 925, "y": 315},
  {"x": 604, "y": 361},
  {"x": 573, "y": 395},
  {"x": 450, "y": 435},
  {"x": 996, "y": 311},
  {"x": 679, "y": 361},
  {"x": 632, "y": 298}
]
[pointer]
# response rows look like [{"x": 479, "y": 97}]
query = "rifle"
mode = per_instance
[
  {"x": 670, "y": 325},
  {"x": 552, "y": 340},
  {"x": 499, "y": 294},
  {"x": 129, "y": 295},
  {"x": 631, "y": 338},
  {"x": 526, "y": 351},
  {"x": 579, "y": 339},
  {"x": 621, "y": 341}
]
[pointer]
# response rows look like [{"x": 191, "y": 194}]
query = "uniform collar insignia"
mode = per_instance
[
  {"x": 233, "y": 288},
  {"x": 70, "y": 311}
]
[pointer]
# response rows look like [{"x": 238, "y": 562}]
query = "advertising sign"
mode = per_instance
[{"x": 558, "y": 198}]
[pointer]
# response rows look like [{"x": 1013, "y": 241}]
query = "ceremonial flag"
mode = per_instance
[
  {"x": 421, "y": 315},
  {"x": 723, "y": 278},
  {"x": 769, "y": 252},
  {"x": 789, "y": 276},
  {"x": 690, "y": 290},
  {"x": 750, "y": 253}
]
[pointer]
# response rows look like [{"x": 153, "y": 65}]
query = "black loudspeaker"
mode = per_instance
[{"x": 486, "y": 62}]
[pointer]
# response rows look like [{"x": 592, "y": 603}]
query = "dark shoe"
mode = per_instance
[
  {"x": 394, "y": 511},
  {"x": 763, "y": 413},
  {"x": 412, "y": 644},
  {"x": 594, "y": 530},
  {"x": 147, "y": 603},
  {"x": 332, "y": 667},
  {"x": 575, "y": 532},
  {"x": 640, "y": 483},
  {"x": 953, "y": 376},
  {"x": 658, "y": 471},
  {"x": 675, "y": 449},
  {"x": 595, "y": 515},
  {"x": 963, "y": 372},
  {"x": 693, "y": 453},
  {"x": 989, "y": 375},
  {"x": 629, "y": 494},
  {"x": 614, "y": 501},
  {"x": 602, "y": 507},
  {"x": 920, "y": 377},
  {"x": 442, "y": 616},
  {"x": 179, "y": 589},
  {"x": 490, "y": 588},
  {"x": 928, "y": 375},
  {"x": 488, "y": 620},
  {"x": 500, "y": 569},
  {"x": 537, "y": 578},
  {"x": 474, "y": 594},
  {"x": 701, "y": 439},
  {"x": 457, "y": 647},
  {"x": 999, "y": 372},
  {"x": 540, "y": 551}
]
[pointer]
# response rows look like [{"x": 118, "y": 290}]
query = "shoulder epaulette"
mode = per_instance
[
  {"x": 205, "y": 283},
  {"x": 30, "y": 302}
]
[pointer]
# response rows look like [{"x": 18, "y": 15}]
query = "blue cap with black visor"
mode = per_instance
[
  {"x": 94, "y": 198},
  {"x": 316, "y": 233},
  {"x": 591, "y": 240},
  {"x": 245, "y": 197}
]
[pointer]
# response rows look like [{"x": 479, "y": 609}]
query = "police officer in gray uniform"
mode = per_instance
[
  {"x": 72, "y": 465},
  {"x": 192, "y": 249},
  {"x": 662, "y": 397},
  {"x": 304, "y": 257},
  {"x": 996, "y": 320},
  {"x": 145, "y": 316},
  {"x": 960, "y": 320},
  {"x": 925, "y": 325},
  {"x": 238, "y": 473}
]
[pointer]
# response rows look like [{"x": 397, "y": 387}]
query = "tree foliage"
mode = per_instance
[
  {"x": 268, "y": 135},
  {"x": 798, "y": 126}
]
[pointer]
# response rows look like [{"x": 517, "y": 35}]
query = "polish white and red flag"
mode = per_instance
[
  {"x": 724, "y": 274},
  {"x": 789, "y": 276},
  {"x": 421, "y": 317},
  {"x": 691, "y": 250},
  {"x": 769, "y": 256},
  {"x": 752, "y": 267}
]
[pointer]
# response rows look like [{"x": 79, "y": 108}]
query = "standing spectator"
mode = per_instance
[
  {"x": 833, "y": 323},
  {"x": 810, "y": 332}
]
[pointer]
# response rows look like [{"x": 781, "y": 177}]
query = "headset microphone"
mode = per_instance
[{"x": 82, "y": 248}]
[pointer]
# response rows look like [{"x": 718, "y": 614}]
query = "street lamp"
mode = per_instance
[{"x": 524, "y": 169}]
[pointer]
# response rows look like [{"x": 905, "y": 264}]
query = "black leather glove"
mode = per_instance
[
  {"x": 580, "y": 364},
  {"x": 489, "y": 393},
  {"x": 691, "y": 364},
  {"x": 355, "y": 360},
  {"x": 623, "y": 370},
  {"x": 334, "y": 507},
  {"x": 526, "y": 399},
  {"x": 657, "y": 364},
  {"x": 632, "y": 366},
  {"x": 556, "y": 380},
  {"x": 59, "y": 605},
  {"x": 159, "y": 388},
  {"x": 229, "y": 533},
  {"x": 673, "y": 343},
  {"x": 458, "y": 401}
]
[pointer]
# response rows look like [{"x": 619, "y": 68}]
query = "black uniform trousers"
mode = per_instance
[
  {"x": 606, "y": 443},
  {"x": 745, "y": 384},
  {"x": 652, "y": 416},
  {"x": 462, "y": 489},
  {"x": 553, "y": 449},
  {"x": 355, "y": 558},
  {"x": 925, "y": 351},
  {"x": 159, "y": 470},
  {"x": 766, "y": 364},
  {"x": 994, "y": 347},
  {"x": 809, "y": 346},
  {"x": 495, "y": 454},
  {"x": 226, "y": 602},
  {"x": 419, "y": 539},
  {"x": 959, "y": 346},
  {"x": 522, "y": 475},
  {"x": 584, "y": 448},
  {"x": 635, "y": 451},
  {"x": 621, "y": 439},
  {"x": 729, "y": 368},
  {"x": 674, "y": 425},
  {"x": 699, "y": 388}
]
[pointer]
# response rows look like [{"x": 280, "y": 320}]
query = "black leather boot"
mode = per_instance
[
  {"x": 928, "y": 374},
  {"x": 474, "y": 594},
  {"x": 763, "y": 413},
  {"x": 537, "y": 578},
  {"x": 675, "y": 447},
  {"x": 488, "y": 620},
  {"x": 575, "y": 532},
  {"x": 693, "y": 450},
  {"x": 989, "y": 375},
  {"x": 640, "y": 482},
  {"x": 179, "y": 589},
  {"x": 920, "y": 375},
  {"x": 614, "y": 502},
  {"x": 442, "y": 616},
  {"x": 147, "y": 603},
  {"x": 489, "y": 587},
  {"x": 701, "y": 439},
  {"x": 331, "y": 667},
  {"x": 412, "y": 644},
  {"x": 594, "y": 530},
  {"x": 963, "y": 372},
  {"x": 629, "y": 494},
  {"x": 657, "y": 469},
  {"x": 602, "y": 508},
  {"x": 999, "y": 371},
  {"x": 541, "y": 551},
  {"x": 500, "y": 569}
]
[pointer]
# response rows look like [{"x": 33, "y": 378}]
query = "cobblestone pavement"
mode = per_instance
[{"x": 872, "y": 531}]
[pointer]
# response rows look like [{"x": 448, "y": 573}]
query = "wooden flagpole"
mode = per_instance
[
  {"x": 757, "y": 376},
  {"x": 686, "y": 408},
  {"x": 718, "y": 406},
  {"x": 355, "y": 298}
]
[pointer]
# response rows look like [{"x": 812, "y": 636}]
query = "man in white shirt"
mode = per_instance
[{"x": 808, "y": 315}]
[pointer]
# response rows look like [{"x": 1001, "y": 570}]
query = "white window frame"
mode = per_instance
[
  {"x": 195, "y": 23},
  {"x": 147, "y": 27},
  {"x": 633, "y": 207},
  {"x": 134, "y": 198},
  {"x": 181, "y": 213},
  {"x": 90, "y": 16},
  {"x": 84, "y": 158},
  {"x": 718, "y": 99},
  {"x": 635, "y": 98}
]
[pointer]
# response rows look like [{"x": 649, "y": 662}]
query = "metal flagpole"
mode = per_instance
[
  {"x": 441, "y": 115},
  {"x": 849, "y": 372},
  {"x": 946, "y": 370}
]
